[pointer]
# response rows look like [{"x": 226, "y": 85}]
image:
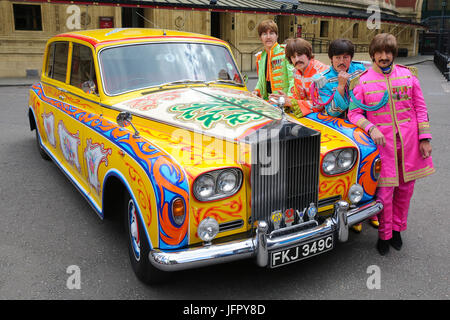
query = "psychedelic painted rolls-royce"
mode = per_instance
[{"x": 159, "y": 127}]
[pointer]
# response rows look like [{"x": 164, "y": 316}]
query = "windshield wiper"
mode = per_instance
[
  {"x": 172, "y": 83},
  {"x": 226, "y": 81},
  {"x": 184, "y": 81},
  {"x": 188, "y": 81}
]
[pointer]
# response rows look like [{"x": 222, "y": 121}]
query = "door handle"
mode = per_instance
[{"x": 61, "y": 97}]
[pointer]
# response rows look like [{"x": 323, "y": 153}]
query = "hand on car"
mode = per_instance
[
  {"x": 377, "y": 136},
  {"x": 273, "y": 98}
]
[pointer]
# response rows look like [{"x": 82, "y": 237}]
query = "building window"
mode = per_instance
[
  {"x": 324, "y": 29},
  {"x": 355, "y": 30},
  {"x": 27, "y": 17}
]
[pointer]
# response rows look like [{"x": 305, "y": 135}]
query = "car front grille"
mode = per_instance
[{"x": 293, "y": 182}]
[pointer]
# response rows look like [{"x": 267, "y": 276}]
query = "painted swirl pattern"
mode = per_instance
[
  {"x": 368, "y": 151},
  {"x": 168, "y": 180}
]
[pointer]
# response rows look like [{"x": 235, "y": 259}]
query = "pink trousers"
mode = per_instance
[{"x": 396, "y": 202}]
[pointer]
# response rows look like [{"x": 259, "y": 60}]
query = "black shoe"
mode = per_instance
[
  {"x": 396, "y": 240},
  {"x": 383, "y": 246}
]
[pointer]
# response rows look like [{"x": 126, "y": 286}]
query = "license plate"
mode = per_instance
[{"x": 300, "y": 252}]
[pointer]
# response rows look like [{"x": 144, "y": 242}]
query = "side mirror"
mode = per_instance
[
  {"x": 124, "y": 120},
  {"x": 88, "y": 87}
]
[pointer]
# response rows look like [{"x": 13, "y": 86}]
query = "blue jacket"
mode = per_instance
[{"x": 339, "y": 104}]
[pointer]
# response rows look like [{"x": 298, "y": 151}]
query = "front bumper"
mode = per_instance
[{"x": 263, "y": 243}]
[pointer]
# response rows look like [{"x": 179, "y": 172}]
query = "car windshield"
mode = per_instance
[{"x": 139, "y": 66}]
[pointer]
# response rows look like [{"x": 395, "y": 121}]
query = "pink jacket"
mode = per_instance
[{"x": 405, "y": 114}]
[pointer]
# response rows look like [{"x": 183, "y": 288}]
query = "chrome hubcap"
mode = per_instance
[{"x": 134, "y": 230}]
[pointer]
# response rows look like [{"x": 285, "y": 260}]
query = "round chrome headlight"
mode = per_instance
[
  {"x": 227, "y": 181},
  {"x": 329, "y": 163},
  {"x": 345, "y": 159},
  {"x": 339, "y": 161},
  {"x": 204, "y": 187},
  {"x": 355, "y": 193},
  {"x": 208, "y": 229},
  {"x": 217, "y": 184}
]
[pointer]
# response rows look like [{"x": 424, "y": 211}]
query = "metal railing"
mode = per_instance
[
  {"x": 240, "y": 59},
  {"x": 442, "y": 62},
  {"x": 321, "y": 45},
  {"x": 318, "y": 46}
]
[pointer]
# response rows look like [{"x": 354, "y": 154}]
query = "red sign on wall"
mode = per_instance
[
  {"x": 106, "y": 22},
  {"x": 299, "y": 31}
]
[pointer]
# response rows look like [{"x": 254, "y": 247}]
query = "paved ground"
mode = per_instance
[{"x": 47, "y": 226}]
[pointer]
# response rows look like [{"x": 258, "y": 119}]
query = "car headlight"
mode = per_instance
[
  {"x": 217, "y": 184},
  {"x": 227, "y": 181},
  {"x": 208, "y": 229},
  {"x": 355, "y": 193},
  {"x": 339, "y": 161},
  {"x": 204, "y": 186}
]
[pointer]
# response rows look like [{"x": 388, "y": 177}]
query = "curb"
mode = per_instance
[{"x": 16, "y": 85}]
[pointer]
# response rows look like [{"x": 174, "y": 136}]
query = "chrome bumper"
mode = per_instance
[{"x": 262, "y": 244}]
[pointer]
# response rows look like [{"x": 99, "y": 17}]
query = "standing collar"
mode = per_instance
[
  {"x": 377, "y": 69},
  {"x": 271, "y": 49}
]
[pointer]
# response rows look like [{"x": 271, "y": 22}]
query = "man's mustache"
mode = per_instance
[
  {"x": 384, "y": 61},
  {"x": 342, "y": 65},
  {"x": 299, "y": 62}
]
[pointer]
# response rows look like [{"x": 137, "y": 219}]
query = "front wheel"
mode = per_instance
[
  {"x": 138, "y": 246},
  {"x": 41, "y": 150}
]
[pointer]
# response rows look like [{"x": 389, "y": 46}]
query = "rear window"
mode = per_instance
[
  {"x": 57, "y": 61},
  {"x": 83, "y": 68}
]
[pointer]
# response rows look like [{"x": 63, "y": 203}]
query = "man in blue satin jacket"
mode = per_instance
[{"x": 332, "y": 86}]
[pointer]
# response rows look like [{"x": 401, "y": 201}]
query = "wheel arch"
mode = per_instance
[
  {"x": 31, "y": 119},
  {"x": 115, "y": 189}
]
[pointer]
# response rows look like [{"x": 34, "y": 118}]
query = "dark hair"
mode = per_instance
[
  {"x": 299, "y": 46},
  {"x": 266, "y": 25},
  {"x": 383, "y": 42},
  {"x": 341, "y": 46}
]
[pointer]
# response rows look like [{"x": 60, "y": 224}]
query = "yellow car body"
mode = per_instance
[{"x": 179, "y": 131}]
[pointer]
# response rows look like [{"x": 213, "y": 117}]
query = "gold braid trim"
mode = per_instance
[{"x": 296, "y": 108}]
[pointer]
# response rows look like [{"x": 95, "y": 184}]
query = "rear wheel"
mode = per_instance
[
  {"x": 138, "y": 246},
  {"x": 41, "y": 150}
]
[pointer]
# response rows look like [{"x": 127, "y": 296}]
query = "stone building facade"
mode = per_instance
[{"x": 26, "y": 25}]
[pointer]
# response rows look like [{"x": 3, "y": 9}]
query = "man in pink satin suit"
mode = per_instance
[{"x": 388, "y": 103}]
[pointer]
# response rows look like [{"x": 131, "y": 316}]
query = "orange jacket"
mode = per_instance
[{"x": 301, "y": 98}]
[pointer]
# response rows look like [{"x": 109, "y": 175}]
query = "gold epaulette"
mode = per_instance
[
  {"x": 413, "y": 70},
  {"x": 355, "y": 81}
]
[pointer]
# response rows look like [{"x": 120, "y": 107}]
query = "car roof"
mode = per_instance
[{"x": 100, "y": 37}]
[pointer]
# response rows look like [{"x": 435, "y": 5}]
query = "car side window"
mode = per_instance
[
  {"x": 82, "y": 68},
  {"x": 50, "y": 59},
  {"x": 57, "y": 61}
]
